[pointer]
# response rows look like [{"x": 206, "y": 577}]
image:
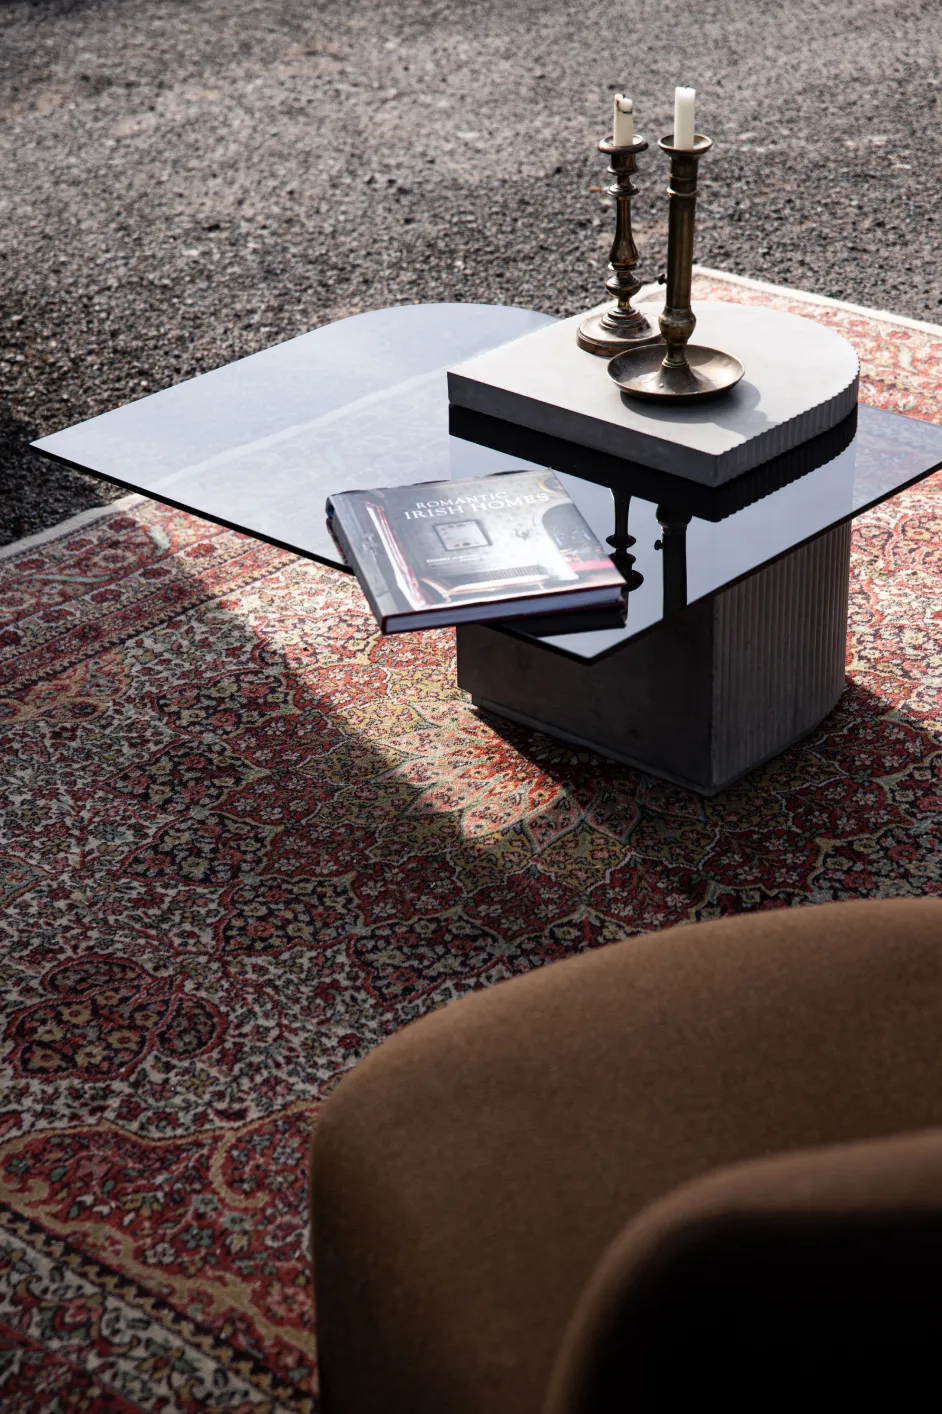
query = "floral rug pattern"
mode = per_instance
[{"x": 243, "y": 838}]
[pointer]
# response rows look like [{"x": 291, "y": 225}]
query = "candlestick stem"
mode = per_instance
[
  {"x": 684, "y": 372},
  {"x": 678, "y": 321},
  {"x": 620, "y": 326}
]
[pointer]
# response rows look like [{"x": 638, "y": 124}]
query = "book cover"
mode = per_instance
[{"x": 449, "y": 552}]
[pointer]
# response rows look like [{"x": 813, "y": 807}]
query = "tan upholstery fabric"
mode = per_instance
[
  {"x": 470, "y": 1174},
  {"x": 802, "y": 1252}
]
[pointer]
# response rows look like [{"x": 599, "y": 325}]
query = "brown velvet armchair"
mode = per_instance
[{"x": 697, "y": 1163}]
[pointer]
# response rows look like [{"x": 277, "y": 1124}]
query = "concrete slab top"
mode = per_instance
[{"x": 801, "y": 379}]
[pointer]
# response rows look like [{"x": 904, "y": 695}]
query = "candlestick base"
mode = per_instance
[
  {"x": 643, "y": 373},
  {"x": 609, "y": 333},
  {"x": 619, "y": 325}
]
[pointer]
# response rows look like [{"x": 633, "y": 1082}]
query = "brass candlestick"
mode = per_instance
[
  {"x": 619, "y": 326},
  {"x": 686, "y": 372}
]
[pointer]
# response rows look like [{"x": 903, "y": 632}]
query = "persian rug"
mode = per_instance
[{"x": 244, "y": 838}]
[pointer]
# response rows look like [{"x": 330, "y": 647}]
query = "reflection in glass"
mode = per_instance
[
  {"x": 673, "y": 547},
  {"x": 621, "y": 541}
]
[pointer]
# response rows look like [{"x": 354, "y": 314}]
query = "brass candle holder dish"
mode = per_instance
[
  {"x": 685, "y": 372},
  {"x": 620, "y": 326}
]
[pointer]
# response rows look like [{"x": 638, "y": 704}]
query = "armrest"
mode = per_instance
[{"x": 803, "y": 1280}]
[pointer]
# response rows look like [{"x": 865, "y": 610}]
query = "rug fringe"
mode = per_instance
[{"x": 66, "y": 527}]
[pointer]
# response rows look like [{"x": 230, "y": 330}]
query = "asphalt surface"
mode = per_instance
[{"x": 187, "y": 181}]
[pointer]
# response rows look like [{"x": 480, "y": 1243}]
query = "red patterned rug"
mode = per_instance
[{"x": 244, "y": 839}]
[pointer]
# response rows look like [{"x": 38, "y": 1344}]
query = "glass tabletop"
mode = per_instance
[{"x": 259, "y": 445}]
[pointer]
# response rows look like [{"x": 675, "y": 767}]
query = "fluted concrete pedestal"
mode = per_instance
[{"x": 705, "y": 696}]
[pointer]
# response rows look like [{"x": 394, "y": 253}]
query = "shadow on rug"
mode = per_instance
[{"x": 244, "y": 839}]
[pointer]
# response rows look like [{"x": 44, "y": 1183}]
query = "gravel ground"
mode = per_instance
[{"x": 187, "y": 181}]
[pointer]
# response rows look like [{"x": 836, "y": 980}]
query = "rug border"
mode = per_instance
[
  {"x": 883, "y": 314},
  {"x": 66, "y": 527}
]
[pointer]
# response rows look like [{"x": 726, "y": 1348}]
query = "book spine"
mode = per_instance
[
  {"x": 332, "y": 530},
  {"x": 335, "y": 524}
]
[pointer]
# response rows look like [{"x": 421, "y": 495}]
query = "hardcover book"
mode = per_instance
[{"x": 502, "y": 547}]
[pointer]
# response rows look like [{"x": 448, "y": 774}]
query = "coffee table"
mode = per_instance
[{"x": 735, "y": 640}]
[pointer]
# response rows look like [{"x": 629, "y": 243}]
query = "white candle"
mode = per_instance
[
  {"x": 623, "y": 130},
  {"x": 683, "y": 117}
]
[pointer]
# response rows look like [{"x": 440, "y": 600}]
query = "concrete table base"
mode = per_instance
[{"x": 710, "y": 693}]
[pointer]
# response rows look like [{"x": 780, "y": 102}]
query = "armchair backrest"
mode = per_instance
[{"x": 804, "y": 1281}]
